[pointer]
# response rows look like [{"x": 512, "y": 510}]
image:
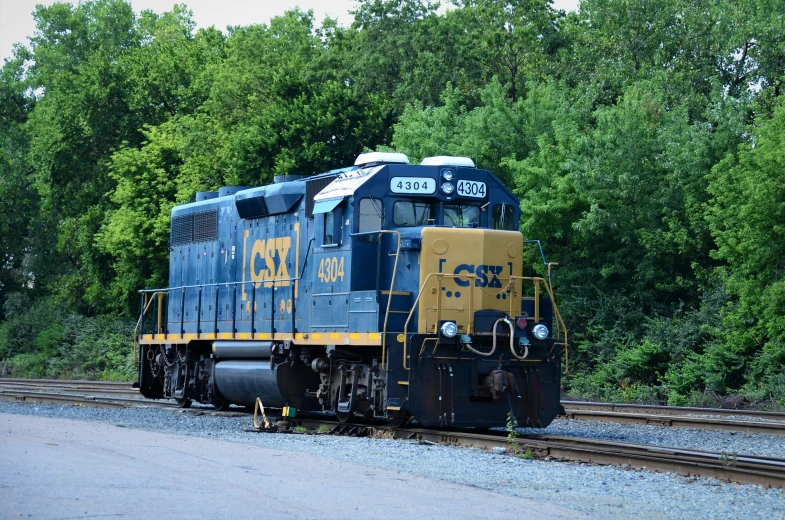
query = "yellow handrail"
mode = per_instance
[
  {"x": 561, "y": 328},
  {"x": 414, "y": 306},
  {"x": 389, "y": 296},
  {"x": 139, "y": 321}
]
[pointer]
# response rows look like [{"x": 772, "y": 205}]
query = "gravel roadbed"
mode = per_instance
[
  {"x": 606, "y": 492},
  {"x": 696, "y": 438}
]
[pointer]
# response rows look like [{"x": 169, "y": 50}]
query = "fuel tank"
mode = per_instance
[{"x": 285, "y": 384}]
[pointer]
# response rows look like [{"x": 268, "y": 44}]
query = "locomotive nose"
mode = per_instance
[{"x": 468, "y": 271}]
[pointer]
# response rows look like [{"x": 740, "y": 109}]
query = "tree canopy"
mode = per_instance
[{"x": 645, "y": 141}]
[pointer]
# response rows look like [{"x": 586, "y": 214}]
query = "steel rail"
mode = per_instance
[
  {"x": 78, "y": 399},
  {"x": 670, "y": 410},
  {"x": 95, "y": 389},
  {"x": 731, "y": 467},
  {"x": 766, "y": 427},
  {"x": 769, "y": 423},
  {"x": 4, "y": 380}
]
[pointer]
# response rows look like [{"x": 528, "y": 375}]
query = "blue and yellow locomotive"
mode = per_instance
[{"x": 386, "y": 290}]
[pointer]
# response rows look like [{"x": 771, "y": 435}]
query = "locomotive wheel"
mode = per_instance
[
  {"x": 183, "y": 402},
  {"x": 345, "y": 417},
  {"x": 399, "y": 421},
  {"x": 221, "y": 404}
]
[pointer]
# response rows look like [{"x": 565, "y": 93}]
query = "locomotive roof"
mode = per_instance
[{"x": 281, "y": 197}]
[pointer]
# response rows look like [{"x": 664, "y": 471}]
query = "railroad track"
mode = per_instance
[
  {"x": 749, "y": 421},
  {"x": 34, "y": 396},
  {"x": 651, "y": 409},
  {"x": 745, "y": 469},
  {"x": 104, "y": 394},
  {"x": 103, "y": 387}
]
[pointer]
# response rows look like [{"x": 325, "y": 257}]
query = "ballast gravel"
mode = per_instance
[{"x": 605, "y": 492}]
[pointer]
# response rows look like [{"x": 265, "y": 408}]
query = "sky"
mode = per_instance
[{"x": 16, "y": 20}]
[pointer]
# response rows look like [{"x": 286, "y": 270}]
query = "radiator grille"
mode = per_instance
[
  {"x": 197, "y": 227},
  {"x": 206, "y": 226},
  {"x": 182, "y": 230}
]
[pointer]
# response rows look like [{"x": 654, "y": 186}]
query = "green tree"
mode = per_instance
[
  {"x": 746, "y": 215},
  {"x": 136, "y": 234},
  {"x": 18, "y": 201},
  {"x": 81, "y": 116},
  {"x": 510, "y": 40}
]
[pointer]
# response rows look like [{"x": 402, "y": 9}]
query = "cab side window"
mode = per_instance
[
  {"x": 333, "y": 227},
  {"x": 369, "y": 219},
  {"x": 329, "y": 227},
  {"x": 503, "y": 217}
]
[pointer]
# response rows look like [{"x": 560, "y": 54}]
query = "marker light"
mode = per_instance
[
  {"x": 450, "y": 329},
  {"x": 522, "y": 323},
  {"x": 447, "y": 188},
  {"x": 540, "y": 331}
]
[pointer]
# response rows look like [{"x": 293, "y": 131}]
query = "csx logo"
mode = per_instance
[
  {"x": 268, "y": 261},
  {"x": 487, "y": 275}
]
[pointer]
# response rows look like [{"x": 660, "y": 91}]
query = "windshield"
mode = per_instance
[
  {"x": 461, "y": 215},
  {"x": 407, "y": 213},
  {"x": 503, "y": 216}
]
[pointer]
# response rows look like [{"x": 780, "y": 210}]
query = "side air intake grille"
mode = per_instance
[
  {"x": 206, "y": 226},
  {"x": 312, "y": 187},
  {"x": 197, "y": 227},
  {"x": 182, "y": 230}
]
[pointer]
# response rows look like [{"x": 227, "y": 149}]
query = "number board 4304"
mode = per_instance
[
  {"x": 471, "y": 189},
  {"x": 413, "y": 185}
]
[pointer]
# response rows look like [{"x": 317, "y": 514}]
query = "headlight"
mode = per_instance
[
  {"x": 540, "y": 331},
  {"x": 447, "y": 174},
  {"x": 447, "y": 188},
  {"x": 450, "y": 329}
]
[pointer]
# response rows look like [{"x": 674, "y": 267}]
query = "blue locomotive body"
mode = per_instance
[{"x": 386, "y": 290}]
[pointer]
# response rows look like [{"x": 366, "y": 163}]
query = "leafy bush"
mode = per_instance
[{"x": 46, "y": 342}]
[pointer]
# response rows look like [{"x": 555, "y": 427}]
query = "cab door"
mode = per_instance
[{"x": 331, "y": 263}]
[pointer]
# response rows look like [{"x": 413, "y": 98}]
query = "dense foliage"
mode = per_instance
[{"x": 645, "y": 139}]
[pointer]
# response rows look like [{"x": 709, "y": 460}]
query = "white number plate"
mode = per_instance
[
  {"x": 417, "y": 185},
  {"x": 471, "y": 189}
]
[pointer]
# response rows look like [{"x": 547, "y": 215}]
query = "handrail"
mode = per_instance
[
  {"x": 138, "y": 324},
  {"x": 416, "y": 301},
  {"x": 389, "y": 296},
  {"x": 561, "y": 328},
  {"x": 559, "y": 323},
  {"x": 275, "y": 281},
  {"x": 542, "y": 254},
  {"x": 294, "y": 299},
  {"x": 165, "y": 292}
]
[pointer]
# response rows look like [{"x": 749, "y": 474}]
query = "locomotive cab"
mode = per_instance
[{"x": 385, "y": 290}]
